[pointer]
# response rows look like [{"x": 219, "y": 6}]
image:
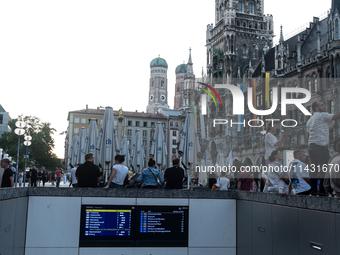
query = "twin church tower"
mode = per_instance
[{"x": 158, "y": 86}]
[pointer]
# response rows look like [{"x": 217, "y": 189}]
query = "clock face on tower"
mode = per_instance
[
  {"x": 163, "y": 97},
  {"x": 151, "y": 97}
]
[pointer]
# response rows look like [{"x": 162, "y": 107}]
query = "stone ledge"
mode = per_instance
[{"x": 325, "y": 204}]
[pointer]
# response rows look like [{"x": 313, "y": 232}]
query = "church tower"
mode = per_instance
[
  {"x": 158, "y": 87},
  {"x": 241, "y": 35},
  {"x": 189, "y": 84},
  {"x": 180, "y": 71}
]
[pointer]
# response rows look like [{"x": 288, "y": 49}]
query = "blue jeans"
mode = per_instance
[
  {"x": 114, "y": 186},
  {"x": 319, "y": 156},
  {"x": 58, "y": 182}
]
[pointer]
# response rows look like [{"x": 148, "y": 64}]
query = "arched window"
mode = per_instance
[
  {"x": 254, "y": 52},
  {"x": 336, "y": 29},
  {"x": 151, "y": 83},
  {"x": 241, "y": 6},
  {"x": 315, "y": 83},
  {"x": 162, "y": 83},
  {"x": 251, "y": 7},
  {"x": 244, "y": 50}
]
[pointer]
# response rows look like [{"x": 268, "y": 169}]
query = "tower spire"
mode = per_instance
[
  {"x": 190, "y": 70},
  {"x": 281, "y": 34}
]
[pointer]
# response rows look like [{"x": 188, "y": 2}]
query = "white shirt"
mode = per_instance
[
  {"x": 299, "y": 171},
  {"x": 223, "y": 183},
  {"x": 317, "y": 127},
  {"x": 73, "y": 175},
  {"x": 275, "y": 178},
  {"x": 120, "y": 175},
  {"x": 270, "y": 140}
]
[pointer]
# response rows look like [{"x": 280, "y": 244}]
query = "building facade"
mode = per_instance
[
  {"x": 4, "y": 119},
  {"x": 130, "y": 123}
]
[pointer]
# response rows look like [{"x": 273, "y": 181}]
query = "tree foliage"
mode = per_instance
[{"x": 42, "y": 143}]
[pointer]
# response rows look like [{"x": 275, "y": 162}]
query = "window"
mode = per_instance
[
  {"x": 137, "y": 124},
  {"x": 76, "y": 120},
  {"x": 145, "y": 124},
  {"x": 171, "y": 123},
  {"x": 152, "y": 133},
  {"x": 174, "y": 133},
  {"x": 162, "y": 83},
  {"x": 176, "y": 124},
  {"x": 337, "y": 29},
  {"x": 129, "y": 132},
  {"x": 129, "y": 123},
  {"x": 76, "y": 130},
  {"x": 244, "y": 50},
  {"x": 271, "y": 96},
  {"x": 177, "y": 88},
  {"x": 310, "y": 85},
  {"x": 163, "y": 125},
  {"x": 315, "y": 84},
  {"x": 144, "y": 143},
  {"x": 129, "y": 142},
  {"x": 251, "y": 7},
  {"x": 241, "y": 6},
  {"x": 173, "y": 150},
  {"x": 152, "y": 84},
  {"x": 330, "y": 107},
  {"x": 152, "y": 124},
  {"x": 1, "y": 119},
  {"x": 174, "y": 142},
  {"x": 145, "y": 133},
  {"x": 83, "y": 121}
]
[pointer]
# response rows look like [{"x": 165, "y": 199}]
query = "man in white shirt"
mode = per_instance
[
  {"x": 298, "y": 174},
  {"x": 318, "y": 138}
]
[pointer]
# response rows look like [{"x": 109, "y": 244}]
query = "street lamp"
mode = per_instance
[
  {"x": 19, "y": 131},
  {"x": 27, "y": 143}
]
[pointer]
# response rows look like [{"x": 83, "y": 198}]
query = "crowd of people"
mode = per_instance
[{"x": 315, "y": 173}]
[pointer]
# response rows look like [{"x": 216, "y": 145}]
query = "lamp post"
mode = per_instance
[
  {"x": 27, "y": 143},
  {"x": 19, "y": 131}
]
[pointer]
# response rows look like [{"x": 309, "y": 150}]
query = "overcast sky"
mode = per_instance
[{"x": 58, "y": 56}]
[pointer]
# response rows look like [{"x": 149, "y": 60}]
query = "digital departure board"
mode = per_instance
[
  {"x": 107, "y": 225},
  {"x": 162, "y": 226},
  {"x": 133, "y": 226}
]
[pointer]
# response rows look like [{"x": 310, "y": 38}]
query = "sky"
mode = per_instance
[{"x": 59, "y": 56}]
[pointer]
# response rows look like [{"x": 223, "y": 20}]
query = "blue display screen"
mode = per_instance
[{"x": 107, "y": 222}]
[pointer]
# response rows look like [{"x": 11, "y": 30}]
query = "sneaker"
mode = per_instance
[
  {"x": 315, "y": 194},
  {"x": 322, "y": 194}
]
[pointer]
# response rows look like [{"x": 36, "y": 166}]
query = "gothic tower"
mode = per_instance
[
  {"x": 180, "y": 71},
  {"x": 158, "y": 87},
  {"x": 189, "y": 84},
  {"x": 241, "y": 34}
]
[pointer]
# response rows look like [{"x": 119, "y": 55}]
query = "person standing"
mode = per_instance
[
  {"x": 318, "y": 139},
  {"x": 88, "y": 174},
  {"x": 44, "y": 177},
  {"x": 174, "y": 176},
  {"x": 271, "y": 142},
  {"x": 7, "y": 177},
  {"x": 20, "y": 177},
  {"x": 118, "y": 173},
  {"x": 34, "y": 176},
  {"x": 58, "y": 176},
  {"x": 74, "y": 181}
]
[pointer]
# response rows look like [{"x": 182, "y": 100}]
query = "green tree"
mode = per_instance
[{"x": 42, "y": 143}]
